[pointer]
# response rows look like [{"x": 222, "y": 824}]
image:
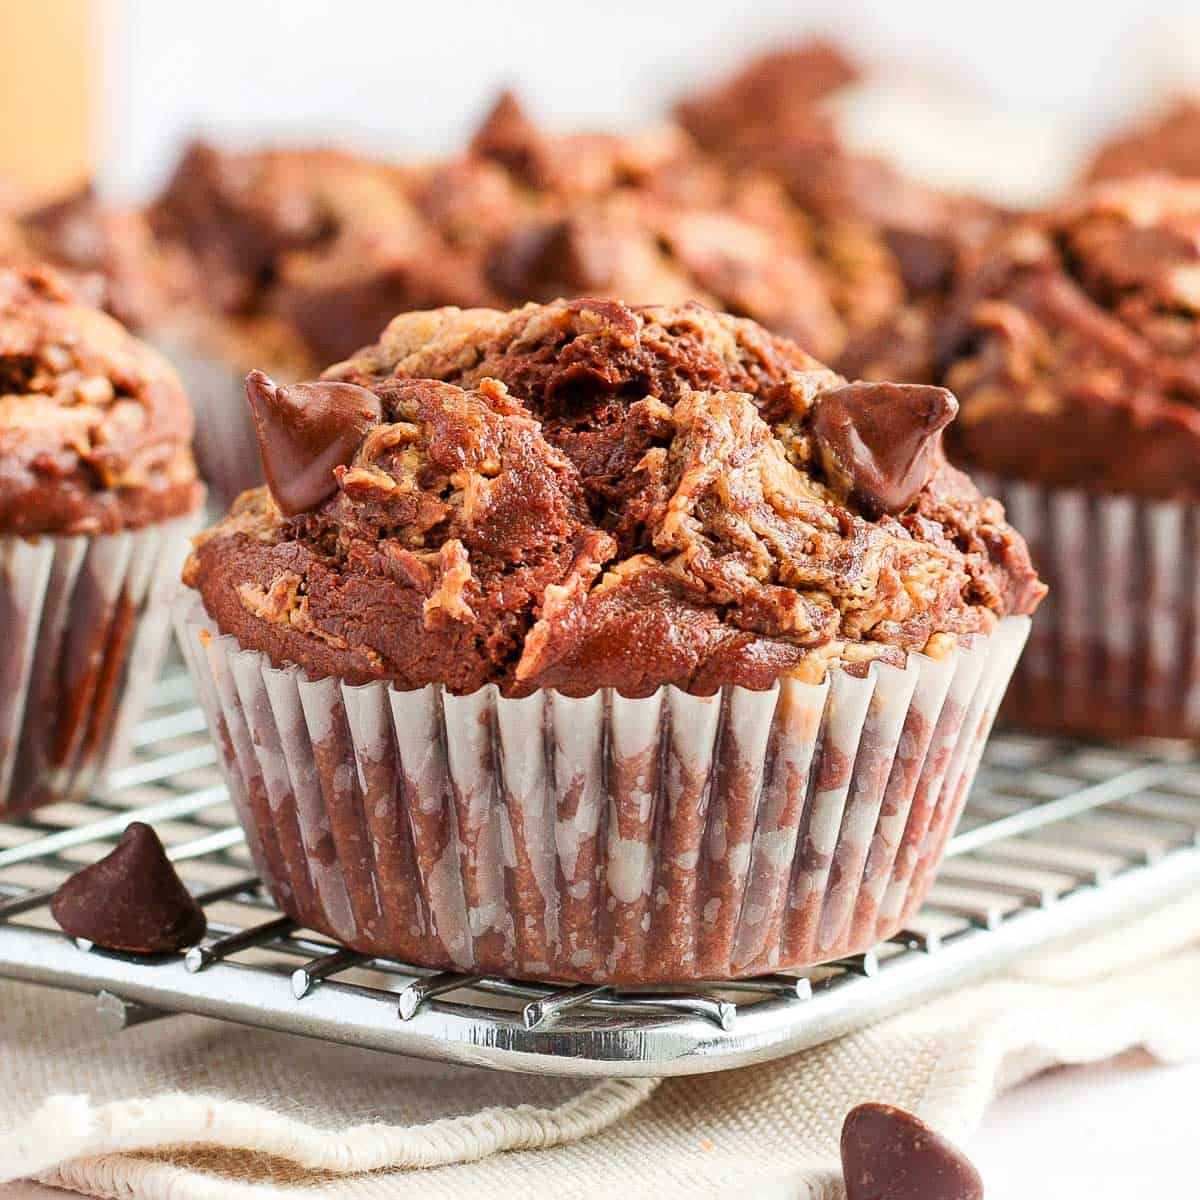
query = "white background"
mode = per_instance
[{"x": 980, "y": 91}]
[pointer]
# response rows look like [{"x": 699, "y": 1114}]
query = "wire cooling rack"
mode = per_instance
[{"x": 1058, "y": 838}]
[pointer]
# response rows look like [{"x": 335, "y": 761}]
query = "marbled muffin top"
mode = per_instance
[
  {"x": 327, "y": 242},
  {"x": 586, "y": 494},
  {"x": 1074, "y": 348},
  {"x": 95, "y": 428}
]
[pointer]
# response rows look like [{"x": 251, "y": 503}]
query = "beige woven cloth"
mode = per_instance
[{"x": 189, "y": 1109}]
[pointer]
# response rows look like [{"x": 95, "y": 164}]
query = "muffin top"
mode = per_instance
[
  {"x": 888, "y": 246},
  {"x": 1169, "y": 144},
  {"x": 588, "y": 494},
  {"x": 110, "y": 255},
  {"x": 95, "y": 428},
  {"x": 1074, "y": 347},
  {"x": 648, "y": 217}
]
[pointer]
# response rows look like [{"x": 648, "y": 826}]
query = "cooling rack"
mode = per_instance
[{"x": 1058, "y": 838}]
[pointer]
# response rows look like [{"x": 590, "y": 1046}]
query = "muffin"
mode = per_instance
[
  {"x": 1074, "y": 350},
  {"x": 98, "y": 493},
  {"x": 888, "y": 247},
  {"x": 781, "y": 90},
  {"x": 600, "y": 643},
  {"x": 301, "y": 255},
  {"x": 112, "y": 256}
]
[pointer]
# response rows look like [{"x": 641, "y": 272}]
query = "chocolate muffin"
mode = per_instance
[
  {"x": 311, "y": 252},
  {"x": 587, "y": 641},
  {"x": 778, "y": 90},
  {"x": 888, "y": 247},
  {"x": 1074, "y": 351},
  {"x": 97, "y": 495},
  {"x": 113, "y": 257},
  {"x": 302, "y": 255},
  {"x": 650, "y": 217}
]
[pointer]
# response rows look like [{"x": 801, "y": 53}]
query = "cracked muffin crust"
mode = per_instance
[
  {"x": 95, "y": 428},
  {"x": 588, "y": 494},
  {"x": 1074, "y": 346}
]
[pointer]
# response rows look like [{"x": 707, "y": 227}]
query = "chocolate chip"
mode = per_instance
[
  {"x": 306, "y": 430},
  {"x": 879, "y": 441},
  {"x": 555, "y": 259},
  {"x": 925, "y": 258},
  {"x": 888, "y": 1154},
  {"x": 131, "y": 899},
  {"x": 509, "y": 137}
]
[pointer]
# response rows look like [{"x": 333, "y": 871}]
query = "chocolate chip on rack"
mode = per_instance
[
  {"x": 304, "y": 432},
  {"x": 131, "y": 899},
  {"x": 888, "y": 1154},
  {"x": 880, "y": 441}
]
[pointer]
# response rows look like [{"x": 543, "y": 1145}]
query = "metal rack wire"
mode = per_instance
[{"x": 1058, "y": 838}]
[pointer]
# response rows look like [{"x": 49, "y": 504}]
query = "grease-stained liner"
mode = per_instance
[
  {"x": 1115, "y": 648},
  {"x": 85, "y": 621},
  {"x": 602, "y": 839}
]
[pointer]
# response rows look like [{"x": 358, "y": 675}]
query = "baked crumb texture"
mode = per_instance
[{"x": 588, "y": 494}]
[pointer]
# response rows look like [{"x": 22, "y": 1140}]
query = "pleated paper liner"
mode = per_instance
[
  {"x": 86, "y": 622},
  {"x": 1115, "y": 648},
  {"x": 602, "y": 839}
]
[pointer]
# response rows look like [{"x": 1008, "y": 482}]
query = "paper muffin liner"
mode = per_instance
[
  {"x": 602, "y": 839},
  {"x": 86, "y": 622},
  {"x": 1115, "y": 647}
]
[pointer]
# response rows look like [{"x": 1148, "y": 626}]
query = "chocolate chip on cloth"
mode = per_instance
[
  {"x": 888, "y": 1154},
  {"x": 95, "y": 428},
  {"x": 131, "y": 900},
  {"x": 585, "y": 494},
  {"x": 1074, "y": 347}
]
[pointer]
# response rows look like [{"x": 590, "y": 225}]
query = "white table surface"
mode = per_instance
[{"x": 1118, "y": 1129}]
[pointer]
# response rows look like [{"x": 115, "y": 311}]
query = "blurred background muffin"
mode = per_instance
[
  {"x": 1074, "y": 348},
  {"x": 98, "y": 493}
]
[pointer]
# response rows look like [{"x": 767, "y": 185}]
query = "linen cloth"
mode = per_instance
[{"x": 191, "y": 1109}]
